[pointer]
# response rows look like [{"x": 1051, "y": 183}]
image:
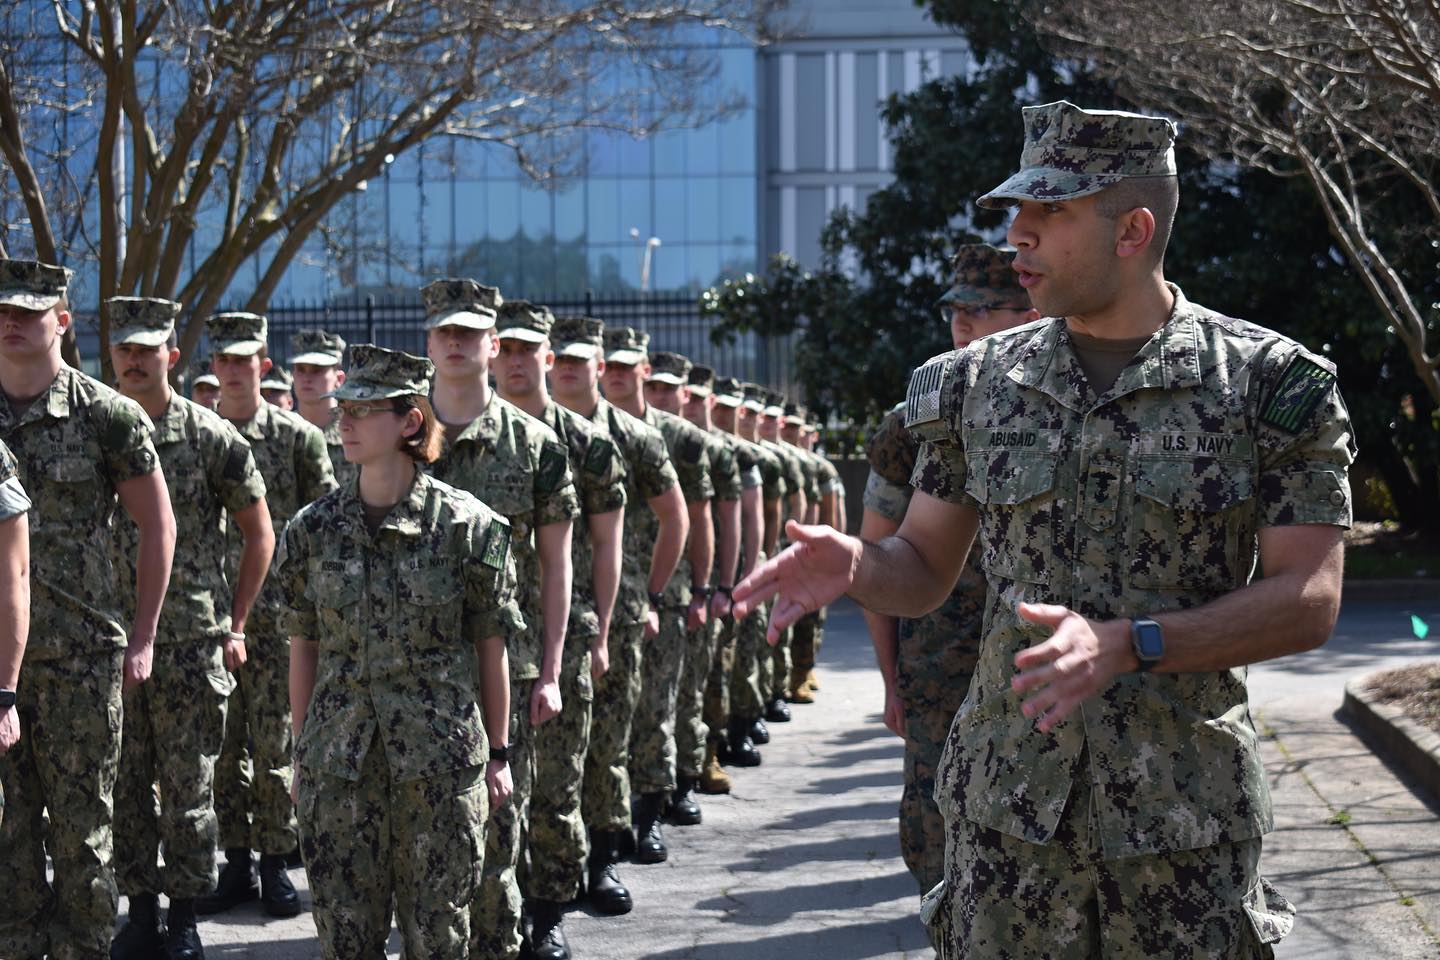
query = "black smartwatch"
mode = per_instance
[
  {"x": 728, "y": 591},
  {"x": 1147, "y": 641},
  {"x": 7, "y": 699},
  {"x": 704, "y": 591},
  {"x": 656, "y": 599},
  {"x": 500, "y": 753}
]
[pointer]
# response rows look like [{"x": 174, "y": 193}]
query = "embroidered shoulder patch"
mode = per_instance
[
  {"x": 922, "y": 400},
  {"x": 497, "y": 544},
  {"x": 690, "y": 448},
  {"x": 1302, "y": 387},
  {"x": 599, "y": 456},
  {"x": 553, "y": 460}
]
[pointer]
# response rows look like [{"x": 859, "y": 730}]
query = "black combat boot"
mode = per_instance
[
  {"x": 277, "y": 893},
  {"x": 649, "y": 841},
  {"x": 236, "y": 886},
  {"x": 684, "y": 811},
  {"x": 739, "y": 748},
  {"x": 182, "y": 939},
  {"x": 607, "y": 893},
  {"x": 547, "y": 938},
  {"x": 142, "y": 937},
  {"x": 778, "y": 711},
  {"x": 759, "y": 732}
]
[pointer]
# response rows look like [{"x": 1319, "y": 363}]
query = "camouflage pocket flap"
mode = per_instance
[
  {"x": 331, "y": 588},
  {"x": 1011, "y": 477},
  {"x": 931, "y": 903},
  {"x": 432, "y": 587},
  {"x": 1270, "y": 914},
  {"x": 70, "y": 470},
  {"x": 1200, "y": 484}
]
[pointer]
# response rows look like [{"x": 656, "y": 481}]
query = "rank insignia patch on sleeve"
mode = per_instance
[
  {"x": 497, "y": 544},
  {"x": 922, "y": 400},
  {"x": 1302, "y": 387}
]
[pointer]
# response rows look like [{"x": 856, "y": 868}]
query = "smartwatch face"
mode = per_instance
[
  {"x": 1149, "y": 641},
  {"x": 7, "y": 699}
]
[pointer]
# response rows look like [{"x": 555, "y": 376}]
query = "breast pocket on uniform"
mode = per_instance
[
  {"x": 1186, "y": 521},
  {"x": 431, "y": 603},
  {"x": 1016, "y": 492},
  {"x": 334, "y": 588}
]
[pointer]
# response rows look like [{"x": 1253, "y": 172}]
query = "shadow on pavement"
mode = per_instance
[
  {"x": 867, "y": 846},
  {"x": 882, "y": 810},
  {"x": 852, "y": 942}
]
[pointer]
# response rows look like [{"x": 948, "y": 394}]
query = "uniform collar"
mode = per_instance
[
  {"x": 405, "y": 519},
  {"x": 54, "y": 402},
  {"x": 171, "y": 425},
  {"x": 1169, "y": 361},
  {"x": 484, "y": 429},
  {"x": 256, "y": 427}
]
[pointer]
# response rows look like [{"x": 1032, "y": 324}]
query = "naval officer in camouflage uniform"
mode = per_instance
[
  {"x": 704, "y": 740},
  {"x": 555, "y": 834},
  {"x": 656, "y": 524},
  {"x": 174, "y": 724},
  {"x": 745, "y": 704},
  {"x": 252, "y": 800},
  {"x": 315, "y": 359},
  {"x": 14, "y": 597},
  {"x": 399, "y": 593},
  {"x": 80, "y": 447},
  {"x": 205, "y": 388},
  {"x": 668, "y": 390},
  {"x": 518, "y": 467},
  {"x": 276, "y": 387},
  {"x": 1105, "y": 757},
  {"x": 926, "y": 662},
  {"x": 681, "y": 608}
]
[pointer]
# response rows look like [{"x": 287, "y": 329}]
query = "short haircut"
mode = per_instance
[
  {"x": 1160, "y": 195},
  {"x": 423, "y": 446}
]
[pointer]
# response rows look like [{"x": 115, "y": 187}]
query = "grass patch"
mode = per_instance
[
  {"x": 1381, "y": 551},
  {"x": 1340, "y": 819}
]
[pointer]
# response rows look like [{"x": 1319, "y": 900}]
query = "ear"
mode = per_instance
[
  {"x": 62, "y": 321},
  {"x": 1134, "y": 231},
  {"x": 494, "y": 347},
  {"x": 599, "y": 366},
  {"x": 549, "y": 360},
  {"x": 645, "y": 370},
  {"x": 265, "y": 364},
  {"x": 339, "y": 377},
  {"x": 174, "y": 358},
  {"x": 414, "y": 421}
]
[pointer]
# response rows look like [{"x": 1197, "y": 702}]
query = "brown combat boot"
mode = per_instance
[
  {"x": 812, "y": 681},
  {"x": 799, "y": 692},
  {"x": 713, "y": 779}
]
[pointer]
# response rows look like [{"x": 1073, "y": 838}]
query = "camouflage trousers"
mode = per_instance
[
  {"x": 1006, "y": 899},
  {"x": 805, "y": 640},
  {"x": 606, "y": 794},
  {"x": 717, "y": 684},
  {"x": 174, "y": 724},
  {"x": 922, "y": 830},
  {"x": 66, "y": 762},
  {"x": 555, "y": 834},
  {"x": 752, "y": 664},
  {"x": 252, "y": 776},
  {"x": 652, "y": 735},
  {"x": 495, "y": 909},
  {"x": 368, "y": 841},
  {"x": 691, "y": 730},
  {"x": 780, "y": 666}
]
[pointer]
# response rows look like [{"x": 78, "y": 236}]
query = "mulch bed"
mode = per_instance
[{"x": 1416, "y": 690}]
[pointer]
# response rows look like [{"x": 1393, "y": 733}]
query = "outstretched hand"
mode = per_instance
[
  {"x": 1079, "y": 659},
  {"x": 817, "y": 567}
]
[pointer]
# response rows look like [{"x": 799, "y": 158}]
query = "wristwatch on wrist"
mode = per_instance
[
  {"x": 728, "y": 591},
  {"x": 704, "y": 591},
  {"x": 1147, "y": 641},
  {"x": 500, "y": 753},
  {"x": 7, "y": 699},
  {"x": 656, "y": 598}
]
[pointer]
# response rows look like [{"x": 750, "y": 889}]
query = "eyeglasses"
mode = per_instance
[
  {"x": 359, "y": 411},
  {"x": 979, "y": 311}
]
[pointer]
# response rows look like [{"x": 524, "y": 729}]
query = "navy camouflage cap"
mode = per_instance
[
  {"x": 754, "y": 397},
  {"x": 277, "y": 379},
  {"x": 626, "y": 346},
  {"x": 667, "y": 367},
  {"x": 983, "y": 278},
  {"x": 794, "y": 414},
  {"x": 459, "y": 302},
  {"x": 378, "y": 374},
  {"x": 203, "y": 375},
  {"x": 241, "y": 334},
  {"x": 582, "y": 337},
  {"x": 523, "y": 320},
  {"x": 1071, "y": 152},
  {"x": 729, "y": 392},
  {"x": 774, "y": 404},
  {"x": 316, "y": 348},
  {"x": 147, "y": 321},
  {"x": 701, "y": 380},
  {"x": 32, "y": 285}
]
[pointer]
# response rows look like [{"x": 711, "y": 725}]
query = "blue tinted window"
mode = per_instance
[
  {"x": 570, "y": 213},
  {"x": 502, "y": 209},
  {"x": 635, "y": 208},
  {"x": 736, "y": 220},
  {"x": 670, "y": 214},
  {"x": 702, "y": 209},
  {"x": 603, "y": 208},
  {"x": 535, "y": 212}
]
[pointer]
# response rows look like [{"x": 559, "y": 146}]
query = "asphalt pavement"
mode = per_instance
[{"x": 801, "y": 861}]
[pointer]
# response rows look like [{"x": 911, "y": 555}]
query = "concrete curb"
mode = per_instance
[
  {"x": 1413, "y": 590},
  {"x": 1414, "y": 747}
]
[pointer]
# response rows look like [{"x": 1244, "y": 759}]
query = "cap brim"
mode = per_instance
[
  {"x": 461, "y": 318},
  {"x": 208, "y": 380},
  {"x": 627, "y": 358},
  {"x": 669, "y": 378},
  {"x": 239, "y": 348},
  {"x": 274, "y": 385},
  {"x": 699, "y": 390},
  {"x": 967, "y": 296},
  {"x": 776, "y": 412},
  {"x": 316, "y": 360},
  {"x": 29, "y": 300},
  {"x": 793, "y": 421},
  {"x": 580, "y": 351},
  {"x": 1046, "y": 183},
  {"x": 350, "y": 390},
  {"x": 727, "y": 401},
  {"x": 521, "y": 333},
  {"x": 140, "y": 336},
  {"x": 753, "y": 405}
]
